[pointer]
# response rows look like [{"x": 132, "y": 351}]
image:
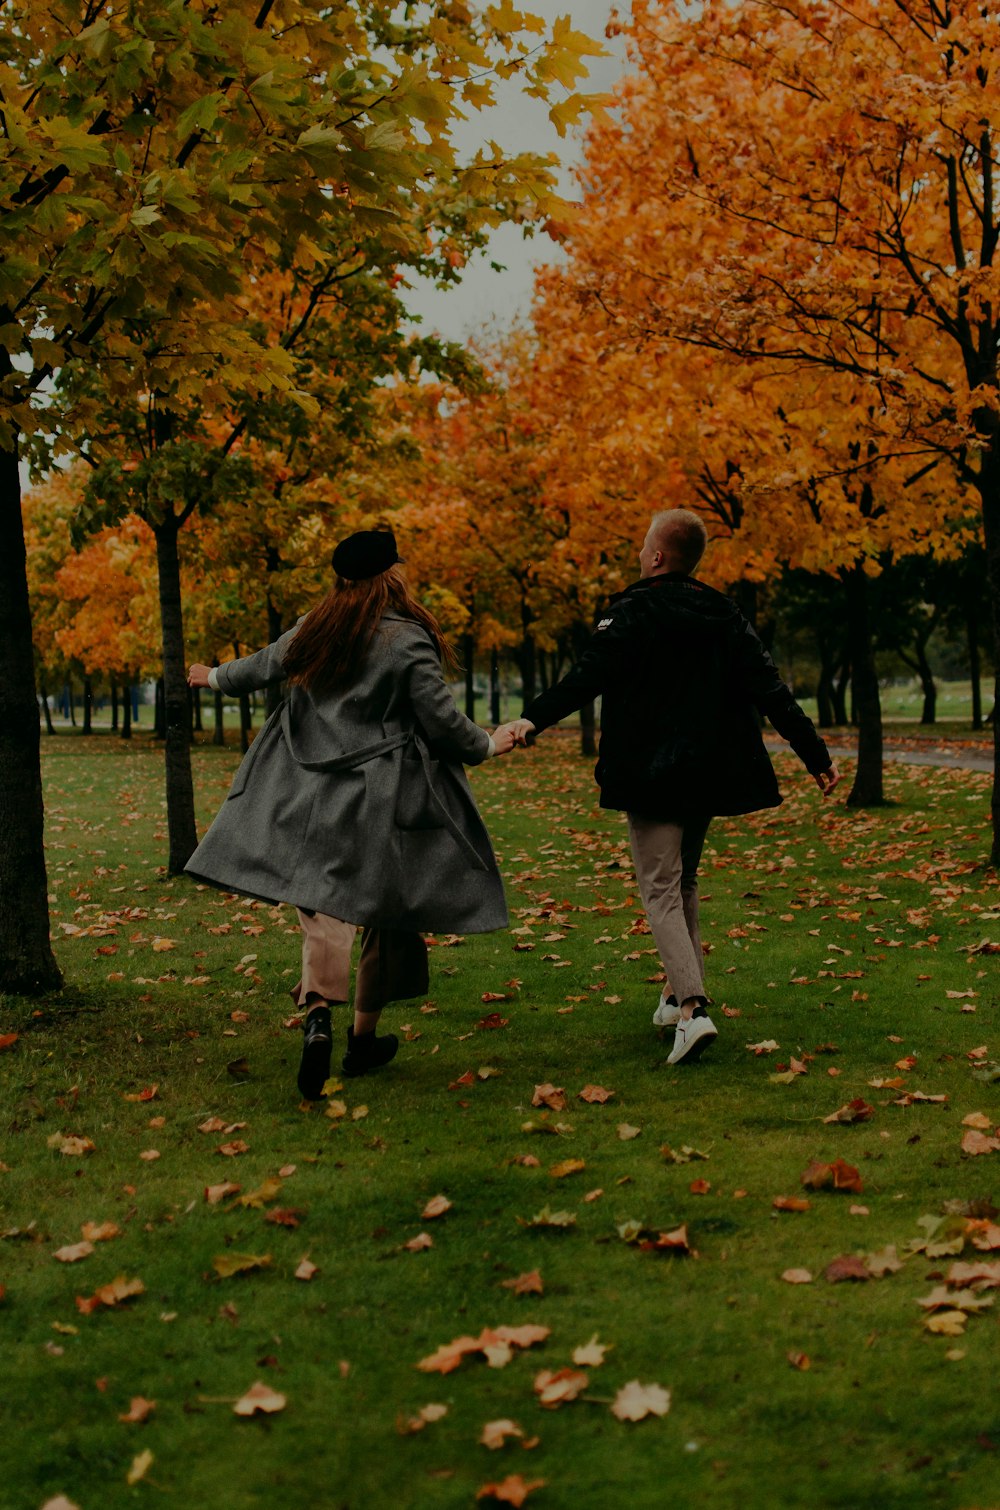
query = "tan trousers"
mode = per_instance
[
  {"x": 666, "y": 859},
  {"x": 393, "y": 963}
]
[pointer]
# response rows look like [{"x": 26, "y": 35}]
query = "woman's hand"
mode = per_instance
[
  {"x": 198, "y": 675},
  {"x": 503, "y": 739}
]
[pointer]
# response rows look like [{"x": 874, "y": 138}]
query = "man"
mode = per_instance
[{"x": 681, "y": 672}]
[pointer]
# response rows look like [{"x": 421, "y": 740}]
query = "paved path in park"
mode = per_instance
[{"x": 932, "y": 754}]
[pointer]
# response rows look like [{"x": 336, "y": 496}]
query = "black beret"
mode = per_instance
[{"x": 366, "y": 554}]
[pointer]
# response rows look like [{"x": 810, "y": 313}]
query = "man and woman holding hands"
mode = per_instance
[{"x": 353, "y": 804}]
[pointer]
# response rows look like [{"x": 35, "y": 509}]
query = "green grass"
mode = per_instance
[{"x": 873, "y": 912}]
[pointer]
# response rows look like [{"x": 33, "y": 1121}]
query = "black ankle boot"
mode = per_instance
[
  {"x": 314, "y": 1070},
  {"x": 366, "y": 1052}
]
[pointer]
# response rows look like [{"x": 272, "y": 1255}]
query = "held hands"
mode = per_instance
[
  {"x": 827, "y": 780},
  {"x": 198, "y": 675},
  {"x": 518, "y": 732}
]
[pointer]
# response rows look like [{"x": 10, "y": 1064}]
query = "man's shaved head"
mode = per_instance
[{"x": 680, "y": 537}]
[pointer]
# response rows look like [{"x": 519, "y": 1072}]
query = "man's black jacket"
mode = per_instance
[{"x": 680, "y": 671}]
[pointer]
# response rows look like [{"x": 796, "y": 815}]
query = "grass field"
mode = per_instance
[{"x": 857, "y": 943}]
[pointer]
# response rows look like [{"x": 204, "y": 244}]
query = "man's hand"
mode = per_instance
[
  {"x": 827, "y": 780},
  {"x": 198, "y": 675},
  {"x": 522, "y": 731}
]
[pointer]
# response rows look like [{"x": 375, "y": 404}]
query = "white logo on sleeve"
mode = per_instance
[{"x": 604, "y": 623}]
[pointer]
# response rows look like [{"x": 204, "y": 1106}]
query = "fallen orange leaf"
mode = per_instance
[{"x": 259, "y": 1398}]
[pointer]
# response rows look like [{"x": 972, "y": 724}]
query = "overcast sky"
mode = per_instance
[{"x": 486, "y": 298}]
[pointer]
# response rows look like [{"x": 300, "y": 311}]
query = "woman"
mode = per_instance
[{"x": 352, "y": 802}]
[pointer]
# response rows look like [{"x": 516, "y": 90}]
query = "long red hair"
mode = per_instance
[{"x": 335, "y": 636}]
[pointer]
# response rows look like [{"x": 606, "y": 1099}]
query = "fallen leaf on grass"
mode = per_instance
[
  {"x": 557, "y": 1388},
  {"x": 487, "y": 1072},
  {"x": 419, "y": 1243},
  {"x": 492, "y": 1020},
  {"x": 847, "y": 1266},
  {"x": 942, "y": 1298},
  {"x": 985, "y": 1236},
  {"x": 100, "y": 1232},
  {"x": 497, "y": 1341},
  {"x": 552, "y": 1096},
  {"x": 595, "y": 1094},
  {"x": 567, "y": 1167},
  {"x": 675, "y": 1241},
  {"x": 884, "y": 1262},
  {"x": 230, "y": 1150},
  {"x": 139, "y": 1410},
  {"x": 284, "y": 1216},
  {"x": 148, "y": 1094},
  {"x": 913, "y": 1098},
  {"x": 111, "y": 1294},
  {"x": 228, "y": 1264},
  {"x": 683, "y": 1155},
  {"x": 797, "y": 1277},
  {"x": 839, "y": 1175},
  {"x": 408, "y": 1426},
  {"x": 73, "y": 1253},
  {"x": 72, "y": 1146},
  {"x": 495, "y": 1433},
  {"x": 436, "y": 1206},
  {"x": 700, "y": 1187},
  {"x": 60, "y": 1503},
  {"x": 627, "y": 1132},
  {"x": 264, "y": 1193},
  {"x": 150, "y": 1155},
  {"x": 591, "y": 1354},
  {"x": 799, "y": 1360},
  {"x": 526, "y": 1160},
  {"x": 525, "y": 1284},
  {"x": 259, "y": 1398},
  {"x": 857, "y": 1110},
  {"x": 513, "y": 1490},
  {"x": 8, "y": 1040},
  {"x": 978, "y": 1120},
  {"x": 306, "y": 1269},
  {"x": 946, "y": 1323},
  {"x": 549, "y": 1218},
  {"x": 766, "y": 1046},
  {"x": 974, "y": 1142},
  {"x": 142, "y": 1463},
  {"x": 635, "y": 1401},
  {"x": 216, "y": 1193},
  {"x": 791, "y": 1203}
]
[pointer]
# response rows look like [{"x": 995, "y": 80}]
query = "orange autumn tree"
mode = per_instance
[{"x": 812, "y": 189}]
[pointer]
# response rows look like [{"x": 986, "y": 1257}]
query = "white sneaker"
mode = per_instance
[
  {"x": 668, "y": 1013},
  {"x": 692, "y": 1038}
]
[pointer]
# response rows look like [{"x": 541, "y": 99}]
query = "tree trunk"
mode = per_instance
[
  {"x": 975, "y": 670},
  {"x": 494, "y": 687},
  {"x": 989, "y": 483},
  {"x": 114, "y": 706},
  {"x": 838, "y": 690},
  {"x": 71, "y": 701},
  {"x": 88, "y": 705},
  {"x": 469, "y": 662},
  {"x": 27, "y": 964},
  {"x": 196, "y": 710},
  {"x": 928, "y": 686},
  {"x": 527, "y": 665},
  {"x": 824, "y": 698},
  {"x": 181, "y": 829},
  {"x": 46, "y": 710},
  {"x": 867, "y": 790},
  {"x": 159, "y": 716},
  {"x": 127, "y": 711},
  {"x": 588, "y": 729}
]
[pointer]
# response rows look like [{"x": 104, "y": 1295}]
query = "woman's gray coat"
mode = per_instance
[{"x": 354, "y": 802}]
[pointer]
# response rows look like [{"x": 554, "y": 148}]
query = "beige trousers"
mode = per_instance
[
  {"x": 666, "y": 859},
  {"x": 393, "y": 963}
]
